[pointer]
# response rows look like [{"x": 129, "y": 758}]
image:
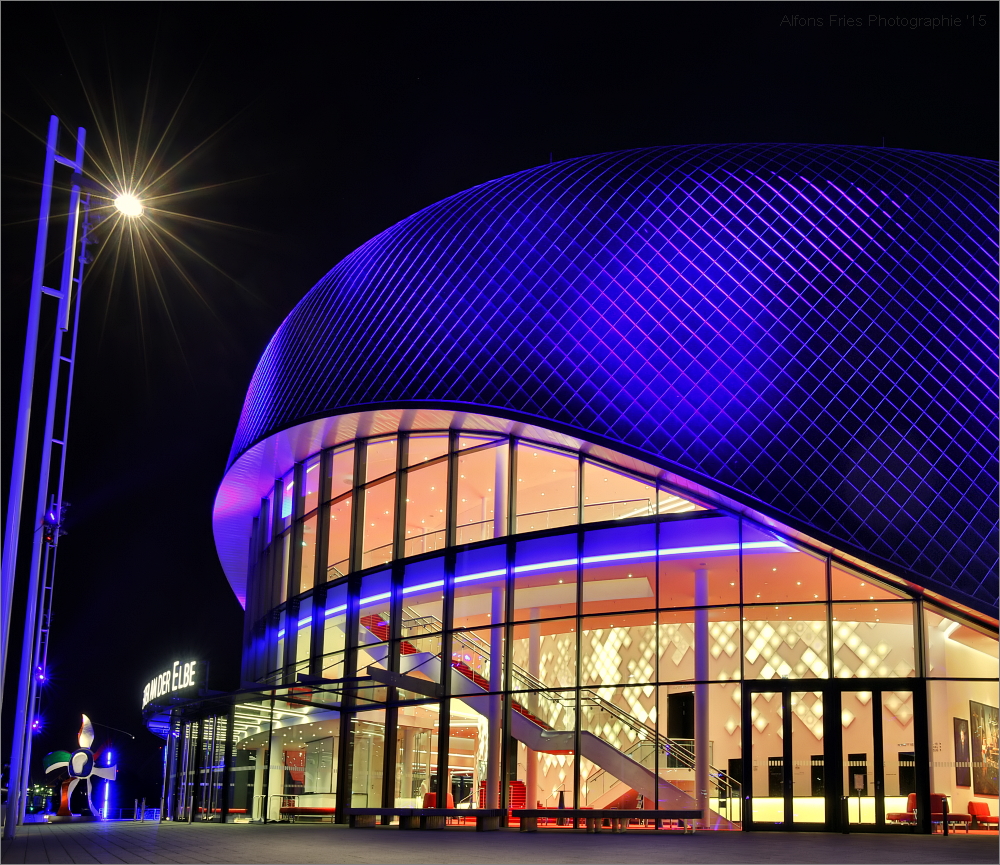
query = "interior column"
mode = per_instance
[
  {"x": 531, "y": 757},
  {"x": 701, "y": 694},
  {"x": 495, "y": 701}
]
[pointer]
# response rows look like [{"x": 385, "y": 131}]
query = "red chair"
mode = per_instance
[
  {"x": 937, "y": 812},
  {"x": 980, "y": 813},
  {"x": 430, "y": 800},
  {"x": 907, "y": 816}
]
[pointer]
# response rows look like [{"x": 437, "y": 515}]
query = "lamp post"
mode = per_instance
[{"x": 49, "y": 502}]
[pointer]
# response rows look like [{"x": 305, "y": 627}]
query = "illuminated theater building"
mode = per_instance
[{"x": 662, "y": 479}]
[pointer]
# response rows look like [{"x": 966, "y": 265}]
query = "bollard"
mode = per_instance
[
  {"x": 142, "y": 811},
  {"x": 135, "y": 810},
  {"x": 191, "y": 809}
]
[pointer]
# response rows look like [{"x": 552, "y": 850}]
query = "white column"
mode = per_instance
[
  {"x": 500, "y": 493},
  {"x": 256, "y": 810},
  {"x": 701, "y": 694},
  {"x": 406, "y": 770},
  {"x": 495, "y": 701},
  {"x": 531, "y": 757},
  {"x": 275, "y": 782}
]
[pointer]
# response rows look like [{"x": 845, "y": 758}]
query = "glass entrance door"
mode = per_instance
[
  {"x": 788, "y": 760},
  {"x": 878, "y": 762}
]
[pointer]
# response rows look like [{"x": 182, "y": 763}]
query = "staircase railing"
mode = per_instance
[{"x": 675, "y": 753}]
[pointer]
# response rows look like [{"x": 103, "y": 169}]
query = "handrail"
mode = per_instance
[{"x": 644, "y": 734}]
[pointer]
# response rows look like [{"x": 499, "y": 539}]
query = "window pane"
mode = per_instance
[
  {"x": 480, "y": 586},
  {"x": 380, "y": 503},
  {"x": 873, "y": 639},
  {"x": 619, "y": 569},
  {"x": 279, "y": 656},
  {"x": 472, "y": 440},
  {"x": 335, "y": 620},
  {"x": 307, "y": 567},
  {"x": 672, "y": 502},
  {"x": 375, "y": 604},
  {"x": 850, "y": 585},
  {"x": 610, "y": 494},
  {"x": 689, "y": 545},
  {"x": 342, "y": 471},
  {"x": 957, "y": 648},
  {"x": 423, "y": 597},
  {"x": 339, "y": 548},
  {"x": 380, "y": 458},
  {"x": 618, "y": 649},
  {"x": 304, "y": 631},
  {"x": 472, "y": 656},
  {"x": 416, "y": 755},
  {"x": 368, "y": 762},
  {"x": 545, "y": 578},
  {"x": 774, "y": 570},
  {"x": 785, "y": 642},
  {"x": 544, "y": 654},
  {"x": 283, "y": 548},
  {"x": 426, "y": 502},
  {"x": 422, "y": 448},
  {"x": 625, "y": 719},
  {"x": 287, "y": 490},
  {"x": 310, "y": 488},
  {"x": 543, "y": 724},
  {"x": 480, "y": 476},
  {"x": 546, "y": 488},
  {"x": 678, "y": 643}
]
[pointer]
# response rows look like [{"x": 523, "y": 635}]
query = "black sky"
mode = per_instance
[{"x": 323, "y": 125}]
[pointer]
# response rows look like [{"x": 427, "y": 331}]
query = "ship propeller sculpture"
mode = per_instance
[{"x": 81, "y": 767}]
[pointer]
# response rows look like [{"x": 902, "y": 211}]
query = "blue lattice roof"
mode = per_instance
[{"x": 812, "y": 327}]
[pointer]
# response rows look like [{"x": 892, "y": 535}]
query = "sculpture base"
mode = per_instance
[{"x": 72, "y": 818}]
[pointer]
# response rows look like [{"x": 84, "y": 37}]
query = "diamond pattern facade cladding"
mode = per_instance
[{"x": 814, "y": 327}]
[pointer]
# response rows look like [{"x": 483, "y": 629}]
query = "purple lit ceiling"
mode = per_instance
[{"x": 809, "y": 329}]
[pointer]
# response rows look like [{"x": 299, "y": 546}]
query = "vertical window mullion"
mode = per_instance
[{"x": 358, "y": 497}]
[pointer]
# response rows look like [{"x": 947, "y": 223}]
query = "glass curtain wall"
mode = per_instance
[{"x": 618, "y": 644}]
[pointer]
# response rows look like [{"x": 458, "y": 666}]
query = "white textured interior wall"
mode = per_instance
[
  {"x": 947, "y": 701},
  {"x": 963, "y": 660}
]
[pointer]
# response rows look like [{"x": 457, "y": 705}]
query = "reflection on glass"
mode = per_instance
[
  {"x": 873, "y": 639},
  {"x": 426, "y": 502},
  {"x": 546, "y": 488},
  {"x": 287, "y": 491},
  {"x": 785, "y": 642},
  {"x": 380, "y": 504},
  {"x": 611, "y": 494}
]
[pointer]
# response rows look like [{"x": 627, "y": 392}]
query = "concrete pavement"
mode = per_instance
[{"x": 278, "y": 843}]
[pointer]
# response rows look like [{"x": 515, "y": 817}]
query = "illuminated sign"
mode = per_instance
[{"x": 181, "y": 676}]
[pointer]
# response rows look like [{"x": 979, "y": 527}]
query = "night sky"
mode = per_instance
[{"x": 305, "y": 129}]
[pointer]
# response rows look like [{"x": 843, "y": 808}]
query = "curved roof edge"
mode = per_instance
[{"x": 253, "y": 473}]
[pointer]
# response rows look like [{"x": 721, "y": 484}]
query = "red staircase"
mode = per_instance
[{"x": 517, "y": 795}]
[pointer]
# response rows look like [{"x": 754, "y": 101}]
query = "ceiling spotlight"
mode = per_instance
[{"x": 128, "y": 205}]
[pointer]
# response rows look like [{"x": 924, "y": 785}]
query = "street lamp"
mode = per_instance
[{"x": 128, "y": 205}]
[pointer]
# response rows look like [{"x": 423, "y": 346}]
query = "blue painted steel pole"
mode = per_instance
[{"x": 13, "y": 523}]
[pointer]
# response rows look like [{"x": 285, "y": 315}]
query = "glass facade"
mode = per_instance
[{"x": 622, "y": 647}]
